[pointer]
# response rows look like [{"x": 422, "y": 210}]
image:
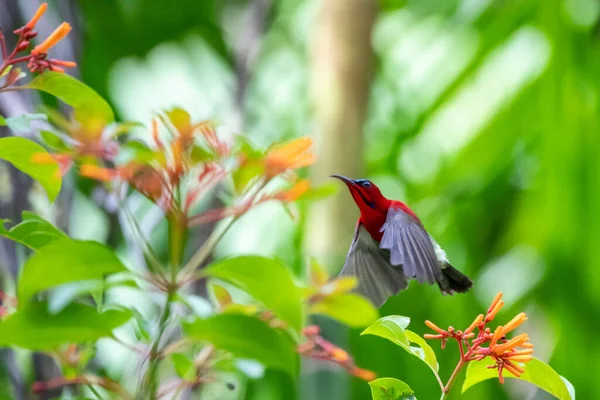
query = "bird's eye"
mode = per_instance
[{"x": 366, "y": 184}]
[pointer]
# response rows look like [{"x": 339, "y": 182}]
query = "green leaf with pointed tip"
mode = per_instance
[
  {"x": 19, "y": 152},
  {"x": 34, "y": 232},
  {"x": 536, "y": 371},
  {"x": 393, "y": 328},
  {"x": 348, "y": 308},
  {"x": 246, "y": 337},
  {"x": 75, "y": 93},
  {"x": 266, "y": 280},
  {"x": 184, "y": 367},
  {"x": 6, "y": 71},
  {"x": 2, "y": 121},
  {"x": 390, "y": 389},
  {"x": 65, "y": 261},
  {"x": 53, "y": 141},
  {"x": 34, "y": 327}
]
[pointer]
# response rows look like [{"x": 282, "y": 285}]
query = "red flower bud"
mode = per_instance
[{"x": 23, "y": 45}]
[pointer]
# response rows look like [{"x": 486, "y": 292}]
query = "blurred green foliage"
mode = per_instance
[{"x": 484, "y": 118}]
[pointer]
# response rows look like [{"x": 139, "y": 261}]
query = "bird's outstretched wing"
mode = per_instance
[
  {"x": 377, "y": 278},
  {"x": 410, "y": 246}
]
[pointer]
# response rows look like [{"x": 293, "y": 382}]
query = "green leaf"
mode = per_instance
[
  {"x": 180, "y": 119},
  {"x": 393, "y": 328},
  {"x": 22, "y": 123},
  {"x": 66, "y": 261},
  {"x": 53, "y": 141},
  {"x": 199, "y": 154},
  {"x": 246, "y": 337},
  {"x": 390, "y": 389},
  {"x": 2, "y": 121},
  {"x": 425, "y": 352},
  {"x": 19, "y": 152},
  {"x": 349, "y": 309},
  {"x": 246, "y": 174},
  {"x": 6, "y": 71},
  {"x": 247, "y": 148},
  {"x": 266, "y": 280},
  {"x": 75, "y": 93},
  {"x": 34, "y": 232},
  {"x": 184, "y": 367},
  {"x": 34, "y": 327},
  {"x": 536, "y": 371}
]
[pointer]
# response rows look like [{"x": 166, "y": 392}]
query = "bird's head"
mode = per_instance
[{"x": 366, "y": 195}]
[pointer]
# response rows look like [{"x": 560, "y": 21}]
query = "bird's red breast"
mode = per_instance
[{"x": 373, "y": 219}]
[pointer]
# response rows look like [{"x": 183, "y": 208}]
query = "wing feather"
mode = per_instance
[
  {"x": 410, "y": 246},
  {"x": 377, "y": 278}
]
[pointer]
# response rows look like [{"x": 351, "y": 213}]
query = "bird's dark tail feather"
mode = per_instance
[{"x": 454, "y": 281}]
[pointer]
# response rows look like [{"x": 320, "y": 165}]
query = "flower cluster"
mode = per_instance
[
  {"x": 508, "y": 354},
  {"x": 315, "y": 346},
  {"x": 37, "y": 60}
]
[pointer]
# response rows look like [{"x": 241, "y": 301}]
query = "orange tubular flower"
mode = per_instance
[
  {"x": 474, "y": 324},
  {"x": 55, "y": 37},
  {"x": 436, "y": 328},
  {"x": 497, "y": 335},
  {"x": 492, "y": 314},
  {"x": 291, "y": 155},
  {"x": 296, "y": 191},
  {"x": 508, "y": 355},
  {"x": 514, "y": 323},
  {"x": 38, "y": 14},
  {"x": 363, "y": 374},
  {"x": 339, "y": 355},
  {"x": 499, "y": 349},
  {"x": 98, "y": 173}
]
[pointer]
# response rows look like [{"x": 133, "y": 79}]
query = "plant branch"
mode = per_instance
[{"x": 204, "y": 252}]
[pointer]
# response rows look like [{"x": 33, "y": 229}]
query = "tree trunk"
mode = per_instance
[{"x": 341, "y": 76}]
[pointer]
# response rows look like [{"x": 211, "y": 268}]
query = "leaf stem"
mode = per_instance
[
  {"x": 453, "y": 377},
  {"x": 204, "y": 252}
]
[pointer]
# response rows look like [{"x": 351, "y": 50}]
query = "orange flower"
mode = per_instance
[
  {"x": 474, "y": 324},
  {"x": 55, "y": 37},
  {"x": 42, "y": 158},
  {"x": 515, "y": 322},
  {"x": 296, "y": 191},
  {"x": 339, "y": 355},
  {"x": 290, "y": 155},
  {"x": 363, "y": 374},
  {"x": 492, "y": 314},
  {"x": 38, "y": 14},
  {"x": 98, "y": 173},
  {"x": 67, "y": 64},
  {"x": 435, "y": 328},
  {"x": 497, "y": 335},
  {"x": 499, "y": 349}
]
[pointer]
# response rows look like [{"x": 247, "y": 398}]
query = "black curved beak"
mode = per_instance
[{"x": 344, "y": 179}]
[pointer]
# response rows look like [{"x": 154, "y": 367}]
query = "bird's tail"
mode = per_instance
[{"x": 453, "y": 280}]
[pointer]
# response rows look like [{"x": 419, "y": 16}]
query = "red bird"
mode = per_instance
[{"x": 391, "y": 246}]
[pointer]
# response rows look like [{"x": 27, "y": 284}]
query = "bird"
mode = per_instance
[{"x": 390, "y": 247}]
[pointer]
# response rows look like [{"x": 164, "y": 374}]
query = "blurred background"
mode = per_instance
[{"x": 482, "y": 115}]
